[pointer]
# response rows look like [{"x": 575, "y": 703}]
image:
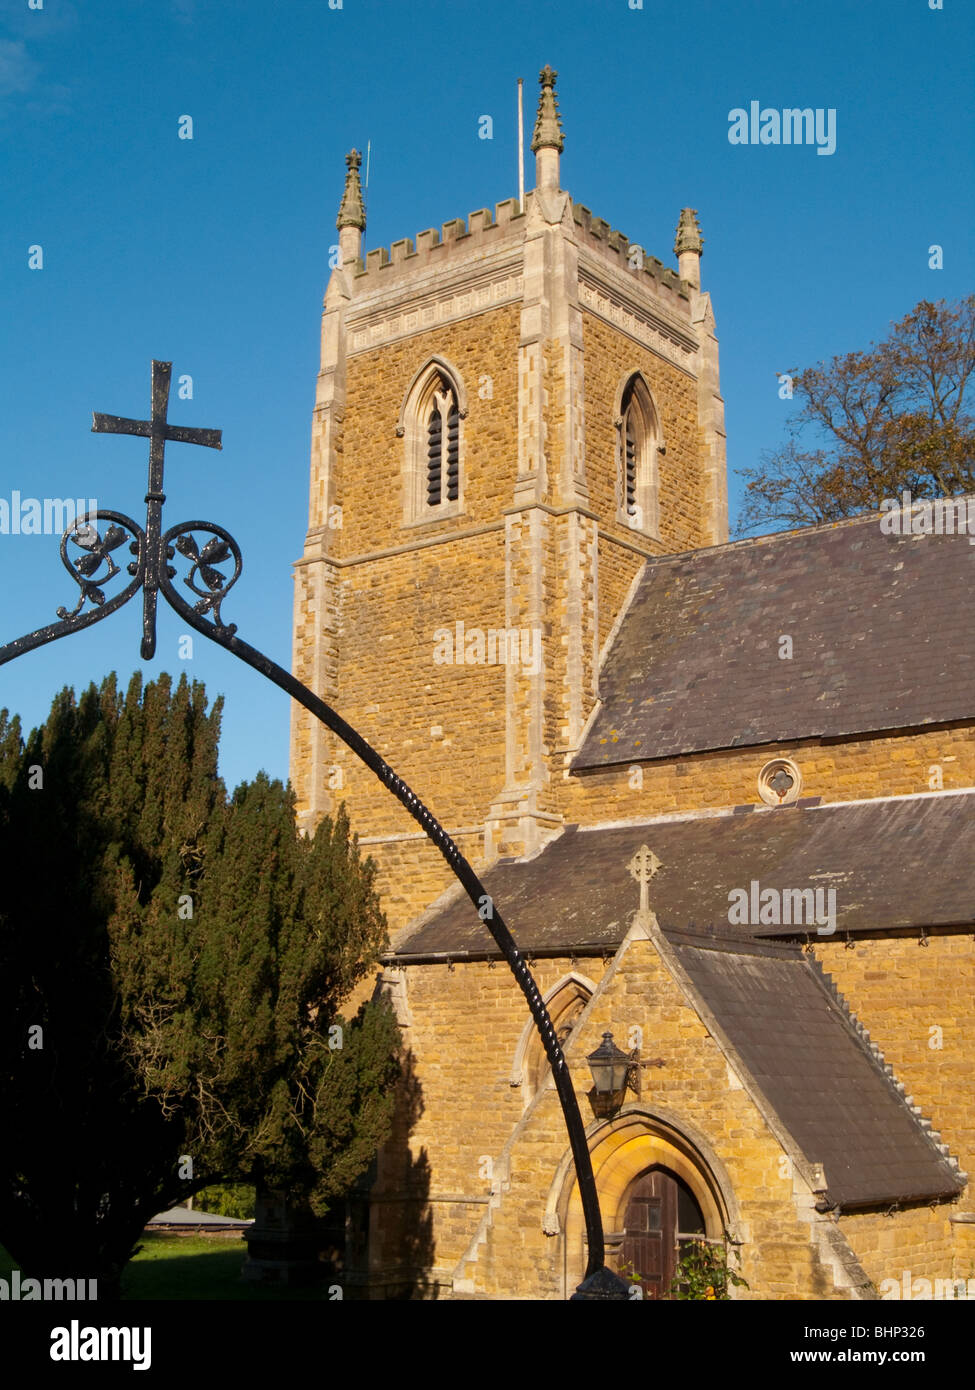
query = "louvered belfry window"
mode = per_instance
[
  {"x": 431, "y": 421},
  {"x": 637, "y": 495},
  {"x": 630, "y": 461},
  {"x": 443, "y": 447}
]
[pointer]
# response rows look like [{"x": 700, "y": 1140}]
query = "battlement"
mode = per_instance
[
  {"x": 481, "y": 229},
  {"x": 627, "y": 255}
]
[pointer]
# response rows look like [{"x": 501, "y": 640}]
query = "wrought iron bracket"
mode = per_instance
[{"x": 152, "y": 570}]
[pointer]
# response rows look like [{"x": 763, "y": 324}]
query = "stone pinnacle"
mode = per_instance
[
  {"x": 688, "y": 233},
  {"x": 352, "y": 213},
  {"x": 548, "y": 125}
]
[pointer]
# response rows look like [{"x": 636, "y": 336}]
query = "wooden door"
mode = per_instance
[{"x": 650, "y": 1231}]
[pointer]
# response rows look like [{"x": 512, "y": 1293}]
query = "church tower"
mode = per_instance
[{"x": 512, "y": 414}]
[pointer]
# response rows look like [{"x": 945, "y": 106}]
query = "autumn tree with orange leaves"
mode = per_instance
[{"x": 874, "y": 424}]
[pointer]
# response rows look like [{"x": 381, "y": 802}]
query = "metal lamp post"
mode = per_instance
[{"x": 151, "y": 571}]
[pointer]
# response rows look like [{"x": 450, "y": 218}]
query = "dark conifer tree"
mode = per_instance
[{"x": 172, "y": 964}]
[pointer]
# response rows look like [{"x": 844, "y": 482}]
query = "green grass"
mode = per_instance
[{"x": 192, "y": 1268}]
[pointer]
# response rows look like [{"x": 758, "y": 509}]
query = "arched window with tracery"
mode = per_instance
[
  {"x": 431, "y": 423},
  {"x": 565, "y": 1004},
  {"x": 639, "y": 444}
]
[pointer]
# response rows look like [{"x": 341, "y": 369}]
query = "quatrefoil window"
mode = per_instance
[{"x": 779, "y": 782}]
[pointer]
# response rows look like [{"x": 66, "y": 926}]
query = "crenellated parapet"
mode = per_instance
[
  {"x": 613, "y": 245},
  {"x": 481, "y": 230}
]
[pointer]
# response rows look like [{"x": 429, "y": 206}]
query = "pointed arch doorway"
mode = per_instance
[
  {"x": 659, "y": 1212},
  {"x": 638, "y": 1141}
]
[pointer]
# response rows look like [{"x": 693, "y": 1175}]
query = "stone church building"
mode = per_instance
[{"x": 517, "y": 584}]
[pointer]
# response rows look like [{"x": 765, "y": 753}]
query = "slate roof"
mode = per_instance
[
  {"x": 894, "y": 862},
  {"x": 878, "y": 635},
  {"x": 897, "y": 862},
  {"x": 788, "y": 1026},
  {"x": 186, "y": 1216}
]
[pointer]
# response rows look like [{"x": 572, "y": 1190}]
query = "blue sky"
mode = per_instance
[{"x": 213, "y": 253}]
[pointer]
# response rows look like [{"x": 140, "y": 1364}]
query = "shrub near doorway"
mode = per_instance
[{"x": 704, "y": 1272}]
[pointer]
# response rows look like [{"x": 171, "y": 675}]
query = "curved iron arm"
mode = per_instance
[
  {"x": 599, "y": 1282},
  {"x": 225, "y": 636}
]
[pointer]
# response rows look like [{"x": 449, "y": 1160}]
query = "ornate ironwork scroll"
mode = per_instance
[{"x": 84, "y": 568}]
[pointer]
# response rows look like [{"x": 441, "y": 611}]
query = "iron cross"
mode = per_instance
[
  {"x": 157, "y": 429},
  {"x": 642, "y": 867}
]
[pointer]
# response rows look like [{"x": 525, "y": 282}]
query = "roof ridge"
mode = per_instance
[
  {"x": 798, "y": 532},
  {"x": 729, "y": 940}
]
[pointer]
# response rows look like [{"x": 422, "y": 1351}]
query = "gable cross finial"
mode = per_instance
[{"x": 642, "y": 867}]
